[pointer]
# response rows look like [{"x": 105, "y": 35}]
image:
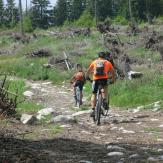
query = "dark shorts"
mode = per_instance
[
  {"x": 79, "y": 84},
  {"x": 96, "y": 83}
]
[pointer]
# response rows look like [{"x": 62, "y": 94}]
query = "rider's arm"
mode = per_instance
[
  {"x": 73, "y": 78},
  {"x": 87, "y": 74},
  {"x": 90, "y": 69},
  {"x": 111, "y": 72},
  {"x": 113, "y": 75},
  {"x": 84, "y": 77}
]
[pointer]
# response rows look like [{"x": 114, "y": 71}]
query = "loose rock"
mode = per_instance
[
  {"x": 115, "y": 154},
  {"x": 63, "y": 118},
  {"x": 27, "y": 119},
  {"x": 28, "y": 93}
]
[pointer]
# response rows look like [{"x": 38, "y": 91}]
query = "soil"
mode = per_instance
[{"x": 138, "y": 135}]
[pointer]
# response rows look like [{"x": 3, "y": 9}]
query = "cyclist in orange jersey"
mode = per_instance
[{"x": 101, "y": 70}]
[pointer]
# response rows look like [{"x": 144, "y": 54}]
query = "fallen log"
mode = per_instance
[{"x": 39, "y": 53}]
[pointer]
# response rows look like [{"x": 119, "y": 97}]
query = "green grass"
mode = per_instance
[
  {"x": 5, "y": 41},
  {"x": 137, "y": 92},
  {"x": 153, "y": 130},
  {"x": 32, "y": 68},
  {"x": 123, "y": 93},
  {"x": 55, "y": 129},
  {"x": 145, "y": 54},
  {"x": 18, "y": 87},
  {"x": 28, "y": 107}
]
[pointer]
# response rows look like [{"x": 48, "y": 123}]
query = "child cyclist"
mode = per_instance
[{"x": 78, "y": 80}]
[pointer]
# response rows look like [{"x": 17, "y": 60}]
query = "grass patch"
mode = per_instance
[
  {"x": 55, "y": 129},
  {"x": 153, "y": 130},
  {"x": 29, "y": 107},
  {"x": 132, "y": 93},
  {"x": 33, "y": 69},
  {"x": 146, "y": 54},
  {"x": 18, "y": 87},
  {"x": 137, "y": 92}
]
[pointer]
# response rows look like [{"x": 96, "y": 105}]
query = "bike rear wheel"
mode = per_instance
[
  {"x": 98, "y": 110},
  {"x": 78, "y": 96}
]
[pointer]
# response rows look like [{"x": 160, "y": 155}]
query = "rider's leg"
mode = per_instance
[
  {"x": 105, "y": 96},
  {"x": 94, "y": 92},
  {"x": 81, "y": 84},
  {"x": 81, "y": 96},
  {"x": 74, "y": 91},
  {"x": 93, "y": 100},
  {"x": 93, "y": 104}
]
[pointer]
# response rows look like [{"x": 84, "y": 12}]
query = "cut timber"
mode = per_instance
[
  {"x": 133, "y": 74},
  {"x": 40, "y": 53},
  {"x": 66, "y": 61}
]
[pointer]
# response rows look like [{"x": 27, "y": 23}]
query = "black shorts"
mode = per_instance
[
  {"x": 96, "y": 83},
  {"x": 79, "y": 84}
]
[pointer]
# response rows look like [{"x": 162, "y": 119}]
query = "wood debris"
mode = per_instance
[
  {"x": 39, "y": 53},
  {"x": 8, "y": 100},
  {"x": 61, "y": 62}
]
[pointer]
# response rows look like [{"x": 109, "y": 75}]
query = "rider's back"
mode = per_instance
[{"x": 107, "y": 66}]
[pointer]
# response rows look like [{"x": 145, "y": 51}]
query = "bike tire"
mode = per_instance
[
  {"x": 78, "y": 101},
  {"x": 97, "y": 116}
]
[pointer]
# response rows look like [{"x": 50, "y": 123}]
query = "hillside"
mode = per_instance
[{"x": 36, "y": 71}]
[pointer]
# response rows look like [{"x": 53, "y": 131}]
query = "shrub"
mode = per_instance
[
  {"x": 108, "y": 21},
  {"x": 85, "y": 20},
  {"x": 67, "y": 23},
  {"x": 159, "y": 20},
  {"x": 28, "y": 24},
  {"x": 120, "y": 20}
]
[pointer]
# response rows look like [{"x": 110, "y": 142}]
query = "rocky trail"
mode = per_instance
[{"x": 125, "y": 136}]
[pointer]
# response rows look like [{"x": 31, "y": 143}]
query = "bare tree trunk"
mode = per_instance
[
  {"x": 148, "y": 16},
  {"x": 21, "y": 18},
  {"x": 26, "y": 8},
  {"x": 130, "y": 11},
  {"x": 12, "y": 19},
  {"x": 96, "y": 11}
]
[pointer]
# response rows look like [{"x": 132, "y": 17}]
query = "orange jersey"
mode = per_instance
[
  {"x": 79, "y": 76},
  {"x": 107, "y": 68}
]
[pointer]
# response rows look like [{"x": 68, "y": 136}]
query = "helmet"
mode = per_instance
[
  {"x": 101, "y": 54},
  {"x": 108, "y": 54},
  {"x": 78, "y": 66}
]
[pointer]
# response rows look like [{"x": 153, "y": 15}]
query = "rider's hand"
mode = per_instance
[
  {"x": 88, "y": 78},
  {"x": 110, "y": 81}
]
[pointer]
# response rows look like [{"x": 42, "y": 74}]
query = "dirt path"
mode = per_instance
[{"x": 125, "y": 136}]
